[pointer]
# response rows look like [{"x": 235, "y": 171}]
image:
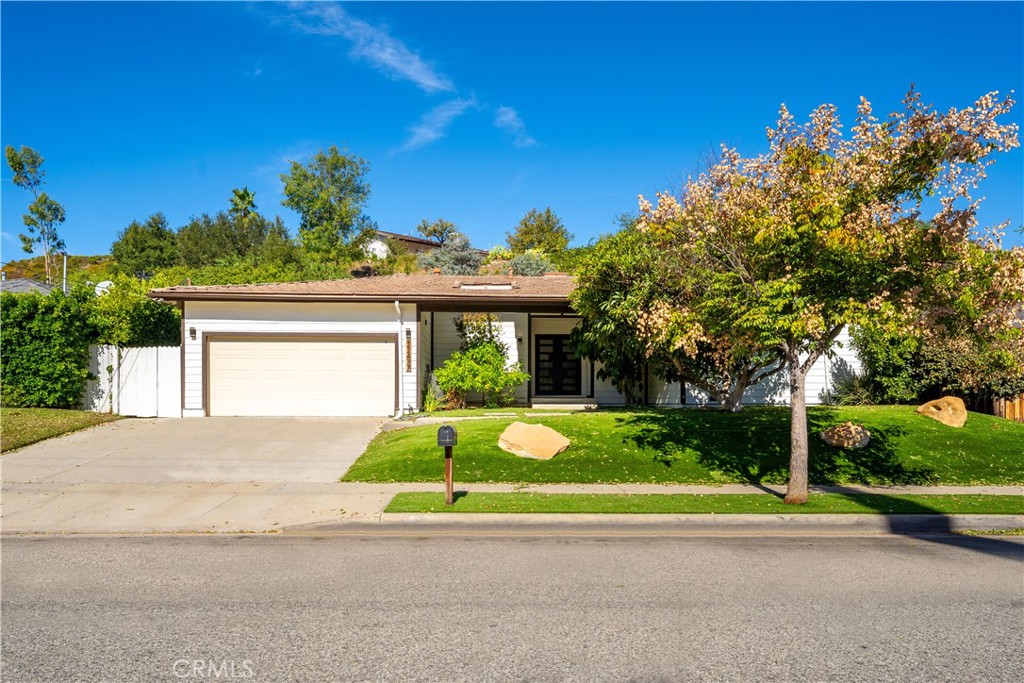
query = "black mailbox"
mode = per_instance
[{"x": 447, "y": 436}]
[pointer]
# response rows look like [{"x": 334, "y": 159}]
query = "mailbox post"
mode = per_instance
[{"x": 448, "y": 437}]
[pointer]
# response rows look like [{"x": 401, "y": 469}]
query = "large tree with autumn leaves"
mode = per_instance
[{"x": 783, "y": 250}]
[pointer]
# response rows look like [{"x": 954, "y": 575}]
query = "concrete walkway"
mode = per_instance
[{"x": 51, "y": 507}]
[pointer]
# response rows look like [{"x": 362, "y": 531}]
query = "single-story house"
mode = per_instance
[
  {"x": 378, "y": 245},
  {"x": 367, "y": 346},
  {"x": 22, "y": 285}
]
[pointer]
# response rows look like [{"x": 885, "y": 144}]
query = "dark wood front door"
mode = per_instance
[{"x": 558, "y": 369}]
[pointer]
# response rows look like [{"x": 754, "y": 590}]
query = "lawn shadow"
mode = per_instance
[
  {"x": 753, "y": 446},
  {"x": 930, "y": 525}
]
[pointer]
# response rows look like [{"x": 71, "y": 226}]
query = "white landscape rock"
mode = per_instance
[{"x": 532, "y": 441}]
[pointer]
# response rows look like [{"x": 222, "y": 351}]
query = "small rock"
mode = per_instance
[
  {"x": 846, "y": 435},
  {"x": 532, "y": 441},
  {"x": 949, "y": 410}
]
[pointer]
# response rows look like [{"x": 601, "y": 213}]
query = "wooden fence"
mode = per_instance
[
  {"x": 141, "y": 382},
  {"x": 1010, "y": 408}
]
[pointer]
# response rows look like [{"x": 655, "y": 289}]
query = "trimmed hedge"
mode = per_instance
[{"x": 45, "y": 341}]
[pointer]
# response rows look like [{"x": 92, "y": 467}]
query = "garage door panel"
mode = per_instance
[{"x": 301, "y": 377}]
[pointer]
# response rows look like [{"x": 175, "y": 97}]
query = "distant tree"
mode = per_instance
[
  {"x": 456, "y": 257},
  {"x": 143, "y": 248},
  {"x": 440, "y": 231},
  {"x": 44, "y": 214},
  {"x": 530, "y": 263},
  {"x": 243, "y": 203},
  {"x": 278, "y": 246},
  {"x": 208, "y": 239},
  {"x": 539, "y": 230},
  {"x": 329, "y": 192}
]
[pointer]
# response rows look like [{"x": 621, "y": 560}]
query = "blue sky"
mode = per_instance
[{"x": 475, "y": 112}]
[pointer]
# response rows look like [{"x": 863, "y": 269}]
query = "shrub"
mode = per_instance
[
  {"x": 125, "y": 316},
  {"x": 456, "y": 257},
  {"x": 480, "y": 369},
  {"x": 901, "y": 368},
  {"x": 475, "y": 329},
  {"x": 45, "y": 340},
  {"x": 498, "y": 253},
  {"x": 888, "y": 361},
  {"x": 531, "y": 263}
]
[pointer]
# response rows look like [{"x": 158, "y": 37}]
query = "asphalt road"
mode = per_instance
[{"x": 541, "y": 607}]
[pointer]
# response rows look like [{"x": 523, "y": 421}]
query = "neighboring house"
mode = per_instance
[
  {"x": 378, "y": 246},
  {"x": 21, "y": 285},
  {"x": 367, "y": 346}
]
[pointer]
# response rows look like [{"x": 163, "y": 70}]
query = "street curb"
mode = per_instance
[{"x": 880, "y": 524}]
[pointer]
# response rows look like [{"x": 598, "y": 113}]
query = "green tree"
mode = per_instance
[
  {"x": 144, "y": 248},
  {"x": 440, "y": 231},
  {"x": 243, "y": 203},
  {"x": 329, "y": 193},
  {"x": 822, "y": 231},
  {"x": 541, "y": 230},
  {"x": 636, "y": 304},
  {"x": 44, "y": 214},
  {"x": 208, "y": 239}
]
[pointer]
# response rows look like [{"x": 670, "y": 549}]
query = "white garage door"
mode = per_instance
[{"x": 305, "y": 376}]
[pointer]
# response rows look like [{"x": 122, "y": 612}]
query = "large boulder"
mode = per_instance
[
  {"x": 949, "y": 410},
  {"x": 846, "y": 435},
  {"x": 532, "y": 441}
]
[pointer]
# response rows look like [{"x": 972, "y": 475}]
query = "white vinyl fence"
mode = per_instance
[{"x": 139, "y": 382}]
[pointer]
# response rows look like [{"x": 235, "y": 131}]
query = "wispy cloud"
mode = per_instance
[
  {"x": 433, "y": 124},
  {"x": 507, "y": 119},
  {"x": 371, "y": 43}
]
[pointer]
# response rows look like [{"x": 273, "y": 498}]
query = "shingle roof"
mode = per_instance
[
  {"x": 21, "y": 285},
  {"x": 412, "y": 288}
]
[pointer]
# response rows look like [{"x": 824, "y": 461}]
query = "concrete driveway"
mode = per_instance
[{"x": 201, "y": 474}]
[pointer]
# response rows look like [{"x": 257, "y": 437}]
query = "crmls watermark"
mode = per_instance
[{"x": 224, "y": 669}]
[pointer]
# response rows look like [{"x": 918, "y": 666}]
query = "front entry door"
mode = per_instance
[{"x": 558, "y": 368}]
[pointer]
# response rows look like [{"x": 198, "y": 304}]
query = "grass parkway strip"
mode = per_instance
[{"x": 757, "y": 503}]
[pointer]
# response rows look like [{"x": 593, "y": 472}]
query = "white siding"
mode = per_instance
[
  {"x": 841, "y": 362},
  {"x": 662, "y": 393},
  {"x": 513, "y": 335},
  {"x": 605, "y": 393},
  {"x": 224, "y": 317}
]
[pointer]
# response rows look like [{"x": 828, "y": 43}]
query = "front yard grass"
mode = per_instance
[
  {"x": 712, "y": 447},
  {"x": 23, "y": 426},
  {"x": 753, "y": 503}
]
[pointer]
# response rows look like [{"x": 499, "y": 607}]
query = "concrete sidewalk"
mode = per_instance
[{"x": 60, "y": 507}]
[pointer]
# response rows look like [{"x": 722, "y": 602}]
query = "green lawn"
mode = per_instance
[
  {"x": 700, "y": 447},
  {"x": 22, "y": 426},
  {"x": 757, "y": 503}
]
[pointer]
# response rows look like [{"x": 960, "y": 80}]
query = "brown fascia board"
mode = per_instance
[{"x": 356, "y": 298}]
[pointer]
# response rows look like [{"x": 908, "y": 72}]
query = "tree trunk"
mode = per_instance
[
  {"x": 796, "y": 492},
  {"x": 731, "y": 401}
]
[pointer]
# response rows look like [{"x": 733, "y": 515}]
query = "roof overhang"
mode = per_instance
[{"x": 426, "y": 303}]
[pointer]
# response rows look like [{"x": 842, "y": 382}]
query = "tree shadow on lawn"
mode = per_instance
[{"x": 753, "y": 446}]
